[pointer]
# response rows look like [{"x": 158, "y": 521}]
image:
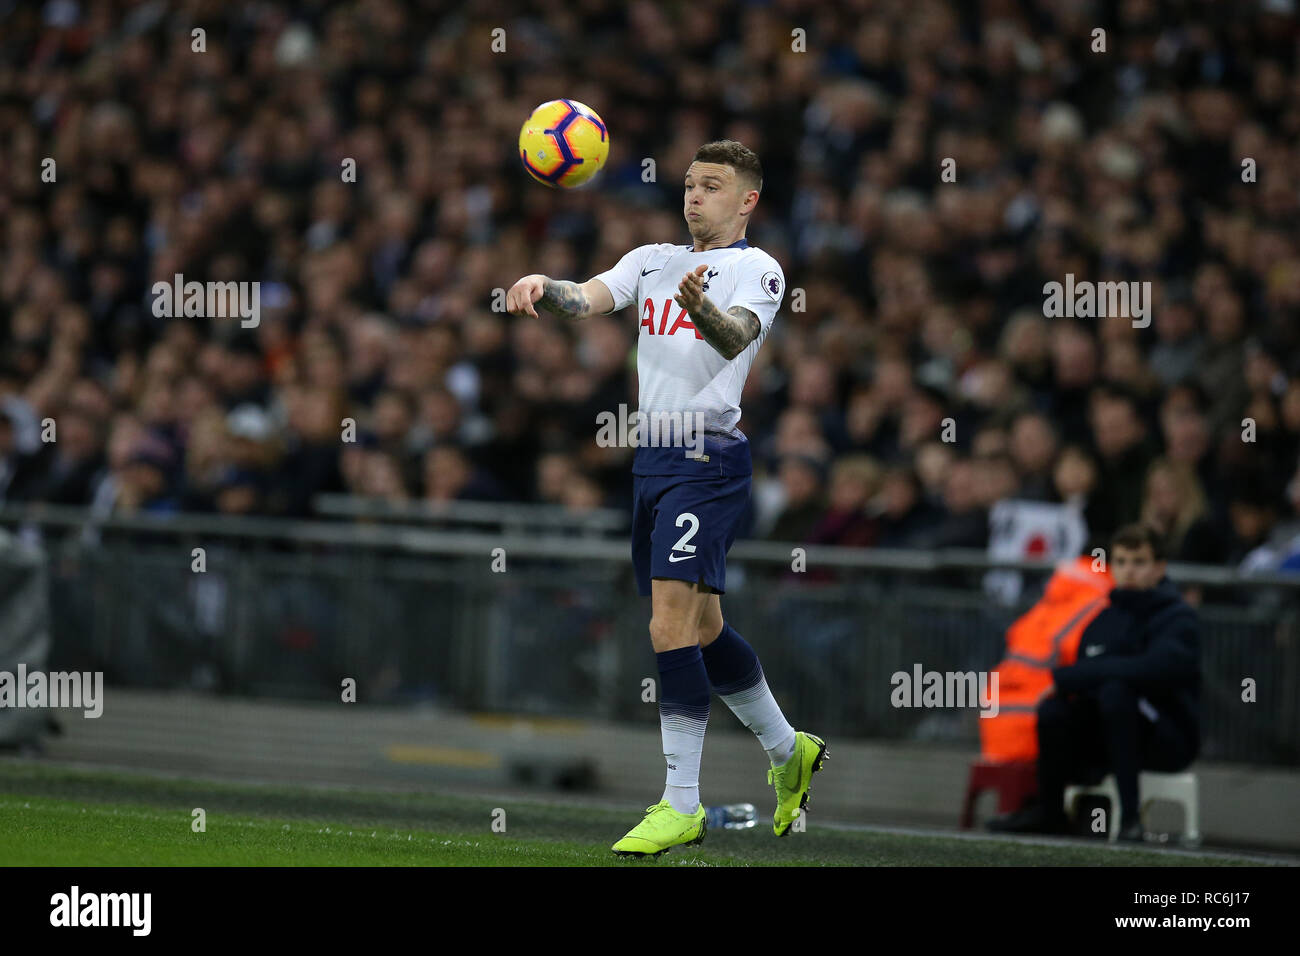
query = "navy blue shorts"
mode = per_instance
[{"x": 683, "y": 527}]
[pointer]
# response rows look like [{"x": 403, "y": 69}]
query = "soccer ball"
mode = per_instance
[{"x": 564, "y": 143}]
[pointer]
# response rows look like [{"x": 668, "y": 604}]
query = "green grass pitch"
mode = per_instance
[{"x": 52, "y": 816}]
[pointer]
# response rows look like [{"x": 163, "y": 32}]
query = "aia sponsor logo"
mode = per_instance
[{"x": 681, "y": 322}]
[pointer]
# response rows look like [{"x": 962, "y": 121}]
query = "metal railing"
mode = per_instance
[
  {"x": 510, "y": 517},
  {"x": 551, "y": 623}
]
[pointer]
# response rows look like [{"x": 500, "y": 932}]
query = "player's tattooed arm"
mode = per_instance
[
  {"x": 565, "y": 298},
  {"x": 729, "y": 332}
]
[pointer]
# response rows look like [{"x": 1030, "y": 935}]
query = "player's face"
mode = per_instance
[{"x": 711, "y": 199}]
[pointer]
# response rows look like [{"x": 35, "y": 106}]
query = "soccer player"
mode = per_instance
[{"x": 691, "y": 492}]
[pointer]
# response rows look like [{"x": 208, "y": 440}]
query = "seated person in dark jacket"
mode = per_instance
[{"x": 1131, "y": 700}]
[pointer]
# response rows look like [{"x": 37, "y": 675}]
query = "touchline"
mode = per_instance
[{"x": 56, "y": 689}]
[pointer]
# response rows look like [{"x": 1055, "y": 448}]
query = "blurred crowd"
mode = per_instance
[{"x": 380, "y": 367}]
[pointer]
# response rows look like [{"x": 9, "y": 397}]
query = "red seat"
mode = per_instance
[{"x": 1015, "y": 783}]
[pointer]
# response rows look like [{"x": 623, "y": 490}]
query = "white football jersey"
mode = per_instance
[{"x": 677, "y": 370}]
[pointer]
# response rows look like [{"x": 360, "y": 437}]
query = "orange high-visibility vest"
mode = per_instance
[{"x": 1045, "y": 636}]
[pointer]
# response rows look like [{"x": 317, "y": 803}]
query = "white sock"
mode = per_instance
[
  {"x": 758, "y": 710},
  {"x": 683, "y": 739},
  {"x": 683, "y": 719},
  {"x": 780, "y": 755},
  {"x": 683, "y": 799}
]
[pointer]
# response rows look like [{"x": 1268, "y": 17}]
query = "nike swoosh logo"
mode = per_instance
[
  {"x": 648, "y": 271},
  {"x": 684, "y": 557}
]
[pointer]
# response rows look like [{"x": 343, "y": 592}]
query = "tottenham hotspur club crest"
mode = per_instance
[{"x": 708, "y": 276}]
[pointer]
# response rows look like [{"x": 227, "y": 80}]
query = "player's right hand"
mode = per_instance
[{"x": 522, "y": 295}]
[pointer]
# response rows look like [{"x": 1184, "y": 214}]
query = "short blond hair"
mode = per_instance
[{"x": 729, "y": 152}]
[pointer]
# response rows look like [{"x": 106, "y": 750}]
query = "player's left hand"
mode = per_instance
[{"x": 690, "y": 294}]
